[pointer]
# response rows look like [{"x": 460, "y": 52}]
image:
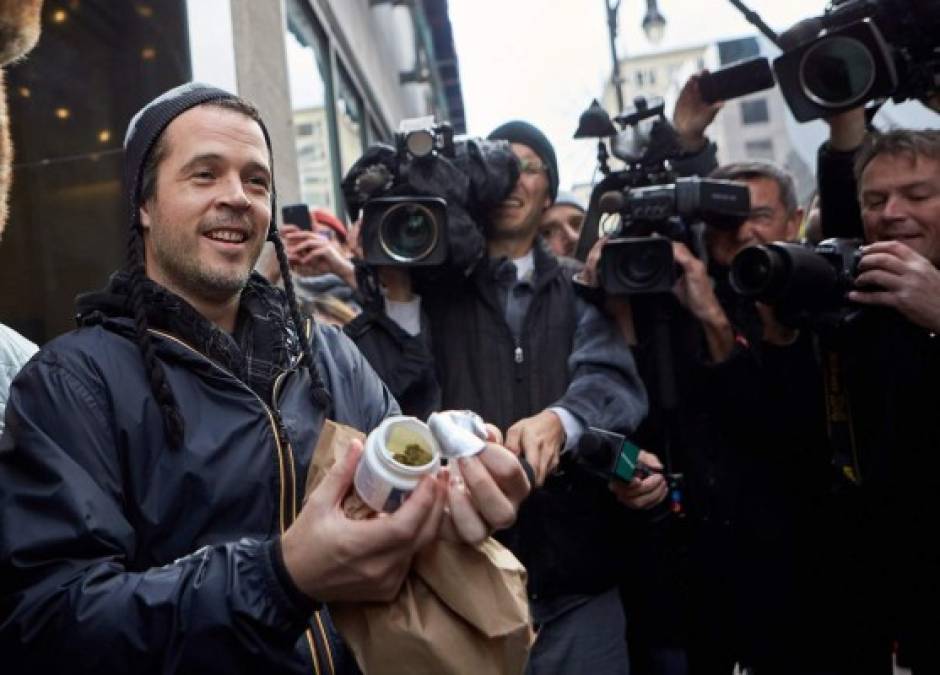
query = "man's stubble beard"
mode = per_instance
[{"x": 181, "y": 267}]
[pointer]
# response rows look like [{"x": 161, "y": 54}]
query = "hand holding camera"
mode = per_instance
[
  {"x": 905, "y": 280},
  {"x": 693, "y": 114},
  {"x": 696, "y": 293}
]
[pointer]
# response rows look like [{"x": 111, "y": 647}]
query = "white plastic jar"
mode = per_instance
[{"x": 381, "y": 481}]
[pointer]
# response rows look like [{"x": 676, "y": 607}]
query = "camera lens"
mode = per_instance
[
  {"x": 420, "y": 143},
  {"x": 408, "y": 232},
  {"x": 837, "y": 71},
  {"x": 752, "y": 271},
  {"x": 643, "y": 263}
]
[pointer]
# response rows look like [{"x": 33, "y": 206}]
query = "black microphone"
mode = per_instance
[{"x": 609, "y": 455}]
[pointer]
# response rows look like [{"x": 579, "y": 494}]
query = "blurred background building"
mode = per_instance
[{"x": 330, "y": 77}]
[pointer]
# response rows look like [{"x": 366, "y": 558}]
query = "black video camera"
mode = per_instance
[
  {"x": 857, "y": 52},
  {"x": 807, "y": 285},
  {"x": 644, "y": 207},
  {"x": 638, "y": 258},
  {"x": 410, "y": 230},
  {"x": 422, "y": 200}
]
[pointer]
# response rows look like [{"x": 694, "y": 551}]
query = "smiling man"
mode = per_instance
[
  {"x": 893, "y": 366},
  {"x": 150, "y": 496},
  {"x": 899, "y": 191},
  {"x": 515, "y": 343}
]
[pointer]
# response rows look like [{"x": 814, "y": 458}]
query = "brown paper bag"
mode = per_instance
[{"x": 462, "y": 609}]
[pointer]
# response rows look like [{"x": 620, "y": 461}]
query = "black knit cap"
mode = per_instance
[
  {"x": 142, "y": 133},
  {"x": 518, "y": 131},
  {"x": 146, "y": 126}
]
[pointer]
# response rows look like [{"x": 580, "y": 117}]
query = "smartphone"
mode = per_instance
[
  {"x": 738, "y": 79},
  {"x": 297, "y": 214}
]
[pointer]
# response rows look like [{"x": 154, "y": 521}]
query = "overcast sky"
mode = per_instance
[{"x": 544, "y": 60}]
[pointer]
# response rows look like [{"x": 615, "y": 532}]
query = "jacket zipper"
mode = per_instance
[
  {"x": 274, "y": 418},
  {"x": 293, "y": 483}
]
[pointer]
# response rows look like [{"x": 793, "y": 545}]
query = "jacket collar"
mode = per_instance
[
  {"x": 263, "y": 345},
  {"x": 545, "y": 267}
]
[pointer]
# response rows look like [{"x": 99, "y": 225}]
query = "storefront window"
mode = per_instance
[
  {"x": 97, "y": 62},
  {"x": 349, "y": 121},
  {"x": 308, "y": 74}
]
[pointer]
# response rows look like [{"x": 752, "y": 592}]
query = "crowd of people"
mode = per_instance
[{"x": 152, "y": 461}]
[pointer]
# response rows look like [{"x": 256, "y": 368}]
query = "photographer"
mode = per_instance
[
  {"x": 892, "y": 364},
  {"x": 512, "y": 341},
  {"x": 748, "y": 436}
]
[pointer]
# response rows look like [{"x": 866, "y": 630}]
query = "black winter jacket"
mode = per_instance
[
  {"x": 120, "y": 554},
  {"x": 568, "y": 532}
]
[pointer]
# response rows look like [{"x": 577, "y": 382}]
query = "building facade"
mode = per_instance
[{"x": 329, "y": 76}]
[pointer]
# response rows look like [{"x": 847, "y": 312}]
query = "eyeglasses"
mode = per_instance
[{"x": 532, "y": 166}]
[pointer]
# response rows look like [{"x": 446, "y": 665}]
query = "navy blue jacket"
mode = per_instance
[{"x": 121, "y": 554}]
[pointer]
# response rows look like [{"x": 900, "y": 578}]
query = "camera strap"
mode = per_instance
[{"x": 839, "y": 426}]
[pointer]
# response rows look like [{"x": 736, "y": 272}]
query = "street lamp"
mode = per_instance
[{"x": 654, "y": 25}]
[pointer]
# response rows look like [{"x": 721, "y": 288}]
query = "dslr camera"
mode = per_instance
[
  {"x": 410, "y": 230},
  {"x": 806, "y": 285},
  {"x": 644, "y": 207}
]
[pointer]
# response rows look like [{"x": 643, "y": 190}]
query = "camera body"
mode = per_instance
[
  {"x": 859, "y": 51},
  {"x": 410, "y": 230},
  {"x": 421, "y": 138},
  {"x": 638, "y": 258},
  {"x": 806, "y": 285}
]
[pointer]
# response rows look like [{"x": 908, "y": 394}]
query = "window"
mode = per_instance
[
  {"x": 730, "y": 51},
  {"x": 67, "y": 229},
  {"x": 754, "y": 111},
  {"x": 349, "y": 120},
  {"x": 759, "y": 149},
  {"x": 308, "y": 75},
  {"x": 644, "y": 77}
]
